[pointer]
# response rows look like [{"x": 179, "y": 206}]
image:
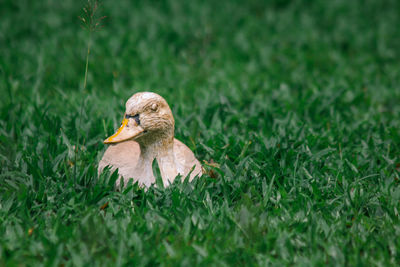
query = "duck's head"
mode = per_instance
[{"x": 147, "y": 119}]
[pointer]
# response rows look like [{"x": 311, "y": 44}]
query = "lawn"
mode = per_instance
[{"x": 293, "y": 107}]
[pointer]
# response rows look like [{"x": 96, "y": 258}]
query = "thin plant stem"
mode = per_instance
[
  {"x": 82, "y": 104},
  {"x": 91, "y": 23},
  {"x": 87, "y": 60}
]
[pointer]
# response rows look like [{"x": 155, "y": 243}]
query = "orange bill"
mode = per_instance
[{"x": 128, "y": 130}]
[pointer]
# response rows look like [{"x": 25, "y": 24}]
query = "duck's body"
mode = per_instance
[
  {"x": 147, "y": 133},
  {"x": 125, "y": 156}
]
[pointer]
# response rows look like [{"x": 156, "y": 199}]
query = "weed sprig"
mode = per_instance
[{"x": 91, "y": 22}]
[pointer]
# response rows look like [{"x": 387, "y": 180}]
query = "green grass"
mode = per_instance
[{"x": 297, "y": 101}]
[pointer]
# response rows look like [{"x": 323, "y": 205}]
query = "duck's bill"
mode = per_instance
[{"x": 125, "y": 132}]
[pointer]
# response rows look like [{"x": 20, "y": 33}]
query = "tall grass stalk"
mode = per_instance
[
  {"x": 87, "y": 60},
  {"x": 91, "y": 23}
]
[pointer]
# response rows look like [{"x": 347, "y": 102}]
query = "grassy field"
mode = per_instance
[{"x": 297, "y": 102}]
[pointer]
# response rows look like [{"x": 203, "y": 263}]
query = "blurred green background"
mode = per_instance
[{"x": 297, "y": 103}]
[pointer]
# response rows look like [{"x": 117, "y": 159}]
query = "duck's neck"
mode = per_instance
[{"x": 163, "y": 152}]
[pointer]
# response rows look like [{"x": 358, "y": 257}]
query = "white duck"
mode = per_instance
[{"x": 147, "y": 133}]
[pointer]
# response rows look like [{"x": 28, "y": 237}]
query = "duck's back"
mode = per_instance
[{"x": 124, "y": 157}]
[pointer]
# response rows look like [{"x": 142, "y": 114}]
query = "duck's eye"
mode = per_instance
[
  {"x": 136, "y": 117},
  {"x": 154, "y": 107}
]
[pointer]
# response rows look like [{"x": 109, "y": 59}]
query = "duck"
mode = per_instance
[{"x": 147, "y": 134}]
